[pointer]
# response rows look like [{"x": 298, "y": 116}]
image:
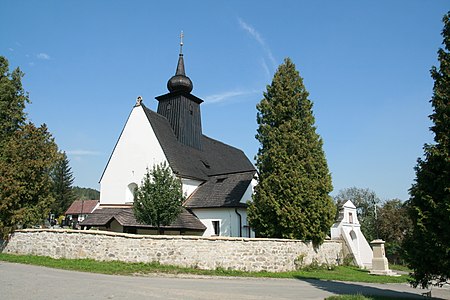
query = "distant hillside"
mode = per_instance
[{"x": 86, "y": 193}]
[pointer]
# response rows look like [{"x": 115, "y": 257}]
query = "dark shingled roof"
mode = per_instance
[
  {"x": 125, "y": 217},
  {"x": 215, "y": 158},
  {"x": 221, "y": 191}
]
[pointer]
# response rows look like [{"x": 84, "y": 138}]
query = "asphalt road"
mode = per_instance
[{"x": 19, "y": 281}]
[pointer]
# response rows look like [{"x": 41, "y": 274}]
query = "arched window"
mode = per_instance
[{"x": 130, "y": 192}]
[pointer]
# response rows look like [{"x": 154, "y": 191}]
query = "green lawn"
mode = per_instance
[
  {"x": 399, "y": 268},
  {"x": 121, "y": 268}
]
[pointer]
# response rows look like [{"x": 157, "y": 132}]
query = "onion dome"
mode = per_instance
[{"x": 180, "y": 82}]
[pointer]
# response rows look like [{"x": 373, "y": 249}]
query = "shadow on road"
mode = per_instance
[{"x": 342, "y": 288}]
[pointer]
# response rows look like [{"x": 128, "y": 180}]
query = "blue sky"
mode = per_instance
[{"x": 365, "y": 64}]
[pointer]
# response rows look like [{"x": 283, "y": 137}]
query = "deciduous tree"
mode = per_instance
[
  {"x": 292, "y": 196},
  {"x": 393, "y": 225},
  {"x": 159, "y": 198},
  {"x": 25, "y": 184},
  {"x": 428, "y": 246}
]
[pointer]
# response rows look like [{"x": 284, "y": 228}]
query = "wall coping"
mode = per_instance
[{"x": 167, "y": 237}]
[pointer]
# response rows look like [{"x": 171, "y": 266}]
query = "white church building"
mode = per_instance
[{"x": 217, "y": 179}]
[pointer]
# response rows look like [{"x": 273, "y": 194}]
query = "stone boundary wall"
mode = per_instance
[{"x": 275, "y": 255}]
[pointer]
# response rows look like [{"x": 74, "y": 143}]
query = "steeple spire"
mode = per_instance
[
  {"x": 181, "y": 108},
  {"x": 180, "y": 82}
]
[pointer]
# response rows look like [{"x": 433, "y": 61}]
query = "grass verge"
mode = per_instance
[
  {"x": 121, "y": 268},
  {"x": 399, "y": 268}
]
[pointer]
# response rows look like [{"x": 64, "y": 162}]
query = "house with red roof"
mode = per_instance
[{"x": 80, "y": 210}]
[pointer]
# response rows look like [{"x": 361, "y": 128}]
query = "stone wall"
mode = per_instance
[{"x": 246, "y": 254}]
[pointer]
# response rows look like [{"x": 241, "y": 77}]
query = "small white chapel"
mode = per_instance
[{"x": 217, "y": 179}]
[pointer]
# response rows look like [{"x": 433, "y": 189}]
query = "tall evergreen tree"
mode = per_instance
[
  {"x": 159, "y": 198},
  {"x": 428, "y": 246},
  {"x": 291, "y": 199},
  {"x": 12, "y": 100},
  {"x": 27, "y": 153},
  {"x": 62, "y": 178}
]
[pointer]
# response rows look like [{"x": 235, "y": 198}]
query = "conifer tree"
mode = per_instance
[
  {"x": 292, "y": 198},
  {"x": 12, "y": 100},
  {"x": 62, "y": 179},
  {"x": 428, "y": 246},
  {"x": 159, "y": 198}
]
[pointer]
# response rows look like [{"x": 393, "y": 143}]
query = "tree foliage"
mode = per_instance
[
  {"x": 159, "y": 198},
  {"x": 62, "y": 179},
  {"x": 428, "y": 245},
  {"x": 25, "y": 184},
  {"x": 86, "y": 193},
  {"x": 27, "y": 154},
  {"x": 367, "y": 204},
  {"x": 291, "y": 199},
  {"x": 393, "y": 225},
  {"x": 12, "y": 100}
]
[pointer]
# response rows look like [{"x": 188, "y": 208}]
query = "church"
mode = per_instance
[{"x": 217, "y": 179}]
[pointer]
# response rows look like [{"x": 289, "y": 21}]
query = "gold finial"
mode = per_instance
[{"x": 181, "y": 41}]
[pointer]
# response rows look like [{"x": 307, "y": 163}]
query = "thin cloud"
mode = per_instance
[
  {"x": 265, "y": 67},
  {"x": 11, "y": 49},
  {"x": 43, "y": 56},
  {"x": 222, "y": 97},
  {"x": 257, "y": 36},
  {"x": 83, "y": 152}
]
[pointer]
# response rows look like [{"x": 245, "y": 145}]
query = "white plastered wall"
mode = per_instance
[
  {"x": 228, "y": 218},
  {"x": 136, "y": 149},
  {"x": 189, "y": 186}
]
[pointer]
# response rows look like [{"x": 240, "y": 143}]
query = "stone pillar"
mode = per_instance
[{"x": 380, "y": 265}]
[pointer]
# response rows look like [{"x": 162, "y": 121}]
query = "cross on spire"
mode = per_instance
[{"x": 181, "y": 41}]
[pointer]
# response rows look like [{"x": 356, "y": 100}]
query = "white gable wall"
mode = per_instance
[
  {"x": 136, "y": 149},
  {"x": 249, "y": 192},
  {"x": 190, "y": 185}
]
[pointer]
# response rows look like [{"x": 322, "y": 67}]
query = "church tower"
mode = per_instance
[{"x": 181, "y": 108}]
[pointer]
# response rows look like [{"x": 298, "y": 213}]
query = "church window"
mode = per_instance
[
  {"x": 216, "y": 226},
  {"x": 350, "y": 218},
  {"x": 130, "y": 192}
]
